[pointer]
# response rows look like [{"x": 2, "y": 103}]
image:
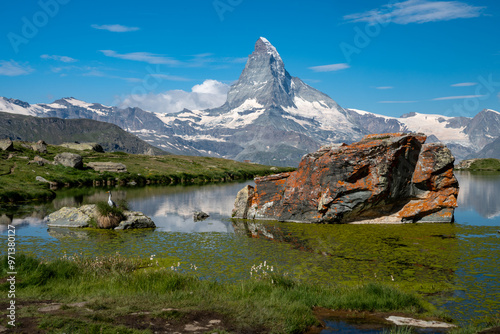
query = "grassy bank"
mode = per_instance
[
  {"x": 485, "y": 165},
  {"x": 480, "y": 165},
  {"x": 120, "y": 295},
  {"x": 17, "y": 175}
]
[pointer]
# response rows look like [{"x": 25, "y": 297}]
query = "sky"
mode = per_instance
[{"x": 387, "y": 57}]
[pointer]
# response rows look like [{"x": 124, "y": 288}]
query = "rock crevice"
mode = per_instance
[{"x": 390, "y": 178}]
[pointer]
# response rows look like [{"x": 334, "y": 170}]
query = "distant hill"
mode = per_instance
[
  {"x": 491, "y": 150},
  {"x": 57, "y": 131}
]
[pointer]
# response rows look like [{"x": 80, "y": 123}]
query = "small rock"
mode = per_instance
[
  {"x": 50, "y": 308},
  {"x": 135, "y": 219},
  {"x": 200, "y": 215},
  {"x": 150, "y": 152},
  {"x": 69, "y": 160},
  {"x": 194, "y": 328},
  {"x": 39, "y": 146},
  {"x": 402, "y": 321},
  {"x": 108, "y": 167},
  {"x": 6, "y": 145}
]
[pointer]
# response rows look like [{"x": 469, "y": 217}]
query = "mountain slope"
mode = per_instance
[
  {"x": 270, "y": 117},
  {"x": 57, "y": 131}
]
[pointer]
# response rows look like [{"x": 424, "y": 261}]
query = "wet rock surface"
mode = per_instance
[{"x": 385, "y": 178}]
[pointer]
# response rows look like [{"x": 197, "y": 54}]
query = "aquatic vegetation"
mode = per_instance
[{"x": 113, "y": 287}]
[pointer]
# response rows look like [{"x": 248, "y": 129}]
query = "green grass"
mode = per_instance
[
  {"x": 486, "y": 165},
  {"x": 17, "y": 177},
  {"x": 116, "y": 287}
]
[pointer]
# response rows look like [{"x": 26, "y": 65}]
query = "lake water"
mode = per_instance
[{"x": 455, "y": 266}]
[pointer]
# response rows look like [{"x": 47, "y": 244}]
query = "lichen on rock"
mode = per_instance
[{"x": 391, "y": 178}]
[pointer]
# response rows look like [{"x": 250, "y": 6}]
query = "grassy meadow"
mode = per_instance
[{"x": 17, "y": 175}]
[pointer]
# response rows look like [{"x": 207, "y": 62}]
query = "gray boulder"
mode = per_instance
[
  {"x": 108, "y": 167},
  {"x": 6, "y": 145},
  {"x": 82, "y": 217},
  {"x": 39, "y": 146},
  {"x": 69, "y": 160},
  {"x": 72, "y": 217},
  {"x": 44, "y": 180},
  {"x": 135, "y": 219},
  {"x": 84, "y": 146}
]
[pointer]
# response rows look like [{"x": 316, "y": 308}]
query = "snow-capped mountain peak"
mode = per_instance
[{"x": 263, "y": 45}]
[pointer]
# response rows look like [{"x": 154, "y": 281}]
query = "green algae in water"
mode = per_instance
[{"x": 455, "y": 266}]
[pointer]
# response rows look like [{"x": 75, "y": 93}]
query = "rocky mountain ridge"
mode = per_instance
[
  {"x": 270, "y": 117},
  {"x": 57, "y": 131}
]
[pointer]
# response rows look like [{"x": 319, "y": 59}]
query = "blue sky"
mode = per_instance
[{"x": 387, "y": 57}]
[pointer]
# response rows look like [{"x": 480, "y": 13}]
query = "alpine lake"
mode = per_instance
[{"x": 454, "y": 266}]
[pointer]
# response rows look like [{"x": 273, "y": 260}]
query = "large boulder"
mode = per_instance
[
  {"x": 84, "y": 146},
  {"x": 135, "y": 219},
  {"x": 115, "y": 167},
  {"x": 72, "y": 217},
  {"x": 6, "y": 145},
  {"x": 39, "y": 146},
  {"x": 69, "y": 160},
  {"x": 387, "y": 178},
  {"x": 86, "y": 215}
]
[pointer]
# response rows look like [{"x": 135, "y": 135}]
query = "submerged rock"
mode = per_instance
[
  {"x": 386, "y": 178},
  {"x": 200, "y": 215}
]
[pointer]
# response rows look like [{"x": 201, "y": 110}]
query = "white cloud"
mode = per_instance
[
  {"x": 64, "y": 59},
  {"x": 12, "y": 68},
  {"x": 457, "y": 97},
  {"x": 209, "y": 94},
  {"x": 417, "y": 11},
  {"x": 397, "y": 101},
  {"x": 384, "y": 87},
  {"x": 330, "y": 68},
  {"x": 464, "y": 84},
  {"x": 169, "y": 77},
  {"x": 114, "y": 27},
  {"x": 147, "y": 57}
]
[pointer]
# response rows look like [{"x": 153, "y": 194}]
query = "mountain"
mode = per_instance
[
  {"x": 463, "y": 135},
  {"x": 491, "y": 150},
  {"x": 269, "y": 117},
  {"x": 57, "y": 131}
]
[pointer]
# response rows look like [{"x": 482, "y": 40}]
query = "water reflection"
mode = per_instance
[
  {"x": 478, "y": 200},
  {"x": 460, "y": 259}
]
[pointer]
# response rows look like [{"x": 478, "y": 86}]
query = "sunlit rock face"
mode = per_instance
[{"x": 385, "y": 178}]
